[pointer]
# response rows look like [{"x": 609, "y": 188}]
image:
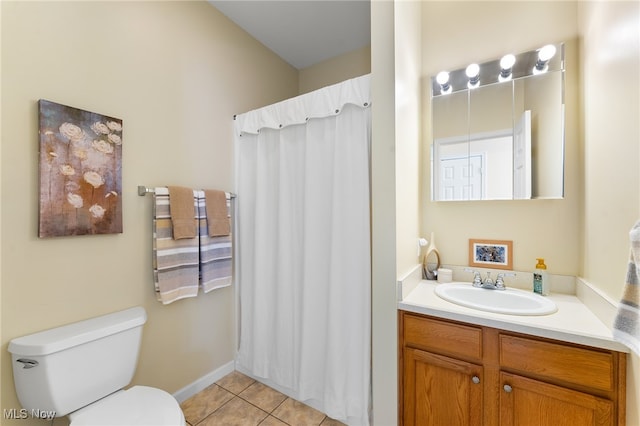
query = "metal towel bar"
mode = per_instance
[{"x": 143, "y": 190}]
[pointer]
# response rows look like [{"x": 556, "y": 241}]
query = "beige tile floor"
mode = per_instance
[{"x": 238, "y": 400}]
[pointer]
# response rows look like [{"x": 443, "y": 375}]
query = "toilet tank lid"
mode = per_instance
[{"x": 61, "y": 338}]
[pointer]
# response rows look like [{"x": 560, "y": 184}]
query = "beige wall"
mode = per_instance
[
  {"x": 334, "y": 70},
  {"x": 586, "y": 233},
  {"x": 175, "y": 72},
  {"x": 177, "y": 82},
  {"x": 610, "y": 109},
  {"x": 481, "y": 31},
  {"x": 395, "y": 57},
  {"x": 610, "y": 89},
  {"x": 2, "y": 356},
  {"x": 408, "y": 101},
  {"x": 395, "y": 66},
  {"x": 383, "y": 215}
]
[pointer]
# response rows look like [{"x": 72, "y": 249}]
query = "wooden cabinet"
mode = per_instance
[
  {"x": 454, "y": 373},
  {"x": 527, "y": 402},
  {"x": 441, "y": 390}
]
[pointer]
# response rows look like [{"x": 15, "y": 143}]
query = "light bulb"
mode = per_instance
[
  {"x": 442, "y": 78},
  {"x": 473, "y": 70},
  {"x": 544, "y": 55},
  {"x": 507, "y": 61},
  {"x": 547, "y": 52}
]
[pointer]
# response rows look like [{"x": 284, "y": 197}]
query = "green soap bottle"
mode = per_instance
[{"x": 540, "y": 279}]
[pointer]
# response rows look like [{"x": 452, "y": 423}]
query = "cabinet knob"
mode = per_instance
[
  {"x": 475, "y": 379},
  {"x": 507, "y": 388}
]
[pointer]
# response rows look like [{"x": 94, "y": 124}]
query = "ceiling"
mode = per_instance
[{"x": 303, "y": 32}]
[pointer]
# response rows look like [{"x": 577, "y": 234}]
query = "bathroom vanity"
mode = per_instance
[{"x": 459, "y": 366}]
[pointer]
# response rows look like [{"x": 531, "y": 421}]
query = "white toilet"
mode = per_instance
[{"x": 81, "y": 369}]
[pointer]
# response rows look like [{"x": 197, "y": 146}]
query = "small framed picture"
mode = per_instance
[{"x": 496, "y": 254}]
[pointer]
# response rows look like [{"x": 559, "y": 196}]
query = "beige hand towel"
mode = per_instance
[
  {"x": 217, "y": 214},
  {"x": 183, "y": 212}
]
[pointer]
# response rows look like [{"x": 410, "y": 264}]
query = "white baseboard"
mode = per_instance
[{"x": 204, "y": 381}]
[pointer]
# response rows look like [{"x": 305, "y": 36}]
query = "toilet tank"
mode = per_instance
[{"x": 65, "y": 368}]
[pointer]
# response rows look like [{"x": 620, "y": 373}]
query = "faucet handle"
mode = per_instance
[
  {"x": 477, "y": 279},
  {"x": 500, "y": 279}
]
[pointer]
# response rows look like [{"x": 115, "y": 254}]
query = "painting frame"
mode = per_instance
[
  {"x": 80, "y": 171},
  {"x": 495, "y": 254}
]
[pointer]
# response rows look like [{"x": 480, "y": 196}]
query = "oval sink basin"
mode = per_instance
[{"x": 510, "y": 301}]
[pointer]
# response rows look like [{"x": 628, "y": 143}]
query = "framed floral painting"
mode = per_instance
[{"x": 80, "y": 172}]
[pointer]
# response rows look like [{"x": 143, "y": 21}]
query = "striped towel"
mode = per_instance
[
  {"x": 175, "y": 262},
  {"x": 626, "y": 327},
  {"x": 215, "y": 252}
]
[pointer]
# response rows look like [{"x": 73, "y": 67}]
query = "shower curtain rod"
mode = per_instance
[{"x": 143, "y": 190}]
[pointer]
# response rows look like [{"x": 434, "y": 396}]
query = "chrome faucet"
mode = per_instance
[
  {"x": 477, "y": 280},
  {"x": 500, "y": 279},
  {"x": 488, "y": 282}
]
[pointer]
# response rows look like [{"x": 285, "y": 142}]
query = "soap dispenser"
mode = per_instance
[{"x": 540, "y": 278}]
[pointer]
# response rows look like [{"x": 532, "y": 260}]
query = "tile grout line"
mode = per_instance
[
  {"x": 268, "y": 413},
  {"x": 227, "y": 402},
  {"x": 237, "y": 395}
]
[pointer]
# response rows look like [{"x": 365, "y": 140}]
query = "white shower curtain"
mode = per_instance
[{"x": 303, "y": 252}]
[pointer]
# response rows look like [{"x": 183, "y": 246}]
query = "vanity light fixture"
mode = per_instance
[
  {"x": 443, "y": 80},
  {"x": 506, "y": 67},
  {"x": 473, "y": 72},
  {"x": 544, "y": 55}
]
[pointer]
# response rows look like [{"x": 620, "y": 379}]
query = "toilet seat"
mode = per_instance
[{"x": 139, "y": 405}]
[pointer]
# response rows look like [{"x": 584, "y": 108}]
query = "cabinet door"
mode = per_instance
[
  {"x": 528, "y": 402},
  {"x": 440, "y": 391}
]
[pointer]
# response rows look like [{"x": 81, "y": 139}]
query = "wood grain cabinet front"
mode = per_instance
[
  {"x": 452, "y": 373},
  {"x": 528, "y": 402},
  {"x": 441, "y": 390}
]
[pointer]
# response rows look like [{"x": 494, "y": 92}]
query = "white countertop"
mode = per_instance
[{"x": 572, "y": 322}]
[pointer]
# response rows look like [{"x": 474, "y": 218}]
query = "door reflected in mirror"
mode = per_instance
[{"x": 500, "y": 138}]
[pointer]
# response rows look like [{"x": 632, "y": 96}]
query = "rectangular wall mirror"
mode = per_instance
[{"x": 498, "y": 129}]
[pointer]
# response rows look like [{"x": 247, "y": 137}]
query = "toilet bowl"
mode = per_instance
[
  {"x": 81, "y": 370},
  {"x": 139, "y": 405}
]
